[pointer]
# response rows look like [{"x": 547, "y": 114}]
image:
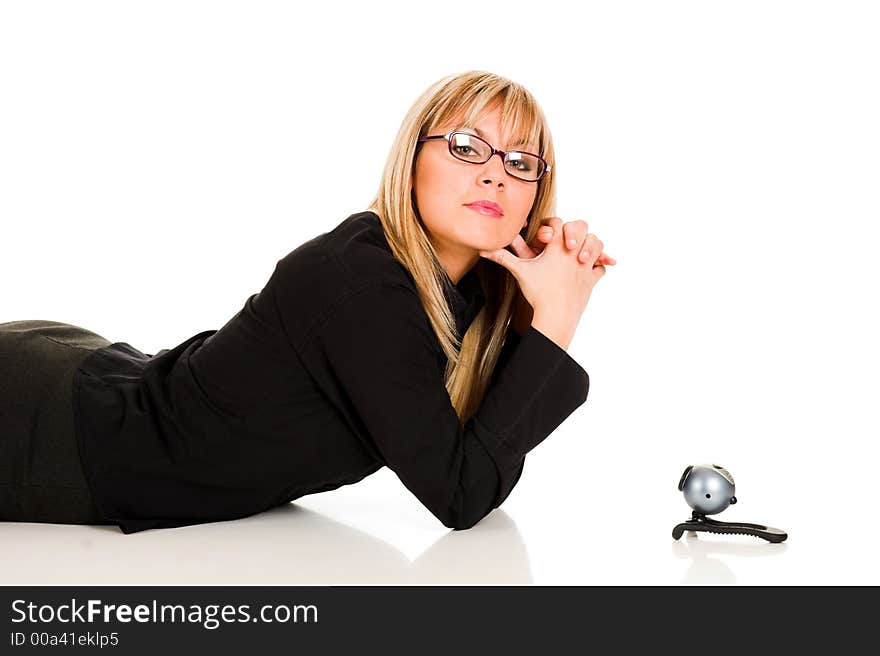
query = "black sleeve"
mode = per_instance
[
  {"x": 382, "y": 352},
  {"x": 511, "y": 340}
]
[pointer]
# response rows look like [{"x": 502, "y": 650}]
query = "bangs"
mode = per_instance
[{"x": 521, "y": 121}]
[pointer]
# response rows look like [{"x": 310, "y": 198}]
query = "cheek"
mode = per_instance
[
  {"x": 432, "y": 183},
  {"x": 523, "y": 202}
]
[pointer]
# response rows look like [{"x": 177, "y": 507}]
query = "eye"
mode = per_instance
[
  {"x": 464, "y": 150},
  {"x": 519, "y": 161}
]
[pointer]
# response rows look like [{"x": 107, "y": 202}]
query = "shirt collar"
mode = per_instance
[{"x": 465, "y": 299}]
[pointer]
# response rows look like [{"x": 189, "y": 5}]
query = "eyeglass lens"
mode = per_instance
[{"x": 470, "y": 148}]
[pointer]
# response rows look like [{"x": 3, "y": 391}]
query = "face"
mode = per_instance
[{"x": 443, "y": 185}]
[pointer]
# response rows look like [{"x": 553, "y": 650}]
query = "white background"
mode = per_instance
[{"x": 158, "y": 158}]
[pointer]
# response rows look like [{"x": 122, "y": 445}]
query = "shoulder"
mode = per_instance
[
  {"x": 353, "y": 253},
  {"x": 351, "y": 264}
]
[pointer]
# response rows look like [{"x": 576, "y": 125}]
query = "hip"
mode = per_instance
[{"x": 41, "y": 476}]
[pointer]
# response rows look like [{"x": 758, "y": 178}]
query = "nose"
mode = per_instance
[{"x": 493, "y": 170}]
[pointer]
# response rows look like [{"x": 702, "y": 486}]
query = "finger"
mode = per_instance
[
  {"x": 548, "y": 220},
  {"x": 556, "y": 239},
  {"x": 575, "y": 232},
  {"x": 537, "y": 247},
  {"x": 591, "y": 249},
  {"x": 603, "y": 259},
  {"x": 545, "y": 234},
  {"x": 521, "y": 248},
  {"x": 543, "y": 237},
  {"x": 554, "y": 222},
  {"x": 540, "y": 239},
  {"x": 504, "y": 258}
]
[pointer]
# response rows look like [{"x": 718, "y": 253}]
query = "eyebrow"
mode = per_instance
[{"x": 519, "y": 142}]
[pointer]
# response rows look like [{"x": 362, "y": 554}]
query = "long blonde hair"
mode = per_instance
[{"x": 471, "y": 358}]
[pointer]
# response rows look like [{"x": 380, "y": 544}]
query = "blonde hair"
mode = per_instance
[{"x": 461, "y": 97}]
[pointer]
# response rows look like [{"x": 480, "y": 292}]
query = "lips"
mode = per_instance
[{"x": 486, "y": 207}]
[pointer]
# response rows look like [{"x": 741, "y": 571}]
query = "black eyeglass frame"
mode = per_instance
[{"x": 493, "y": 149}]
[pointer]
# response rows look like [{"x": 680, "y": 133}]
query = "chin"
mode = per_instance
[{"x": 480, "y": 234}]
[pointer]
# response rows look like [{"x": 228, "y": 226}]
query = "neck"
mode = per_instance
[{"x": 456, "y": 267}]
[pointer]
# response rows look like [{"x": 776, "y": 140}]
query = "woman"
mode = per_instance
[{"x": 408, "y": 336}]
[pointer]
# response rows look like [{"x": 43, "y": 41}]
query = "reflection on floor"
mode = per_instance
[{"x": 291, "y": 545}]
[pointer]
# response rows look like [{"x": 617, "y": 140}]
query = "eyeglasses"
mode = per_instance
[{"x": 470, "y": 148}]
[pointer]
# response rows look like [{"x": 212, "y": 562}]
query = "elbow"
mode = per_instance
[
  {"x": 461, "y": 526},
  {"x": 462, "y": 521},
  {"x": 474, "y": 496},
  {"x": 585, "y": 388}
]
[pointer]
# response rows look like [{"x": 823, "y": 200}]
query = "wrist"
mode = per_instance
[{"x": 556, "y": 328}]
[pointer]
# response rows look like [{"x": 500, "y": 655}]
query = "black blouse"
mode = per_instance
[{"x": 328, "y": 373}]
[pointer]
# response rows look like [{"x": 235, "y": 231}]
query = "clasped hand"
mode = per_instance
[{"x": 576, "y": 242}]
